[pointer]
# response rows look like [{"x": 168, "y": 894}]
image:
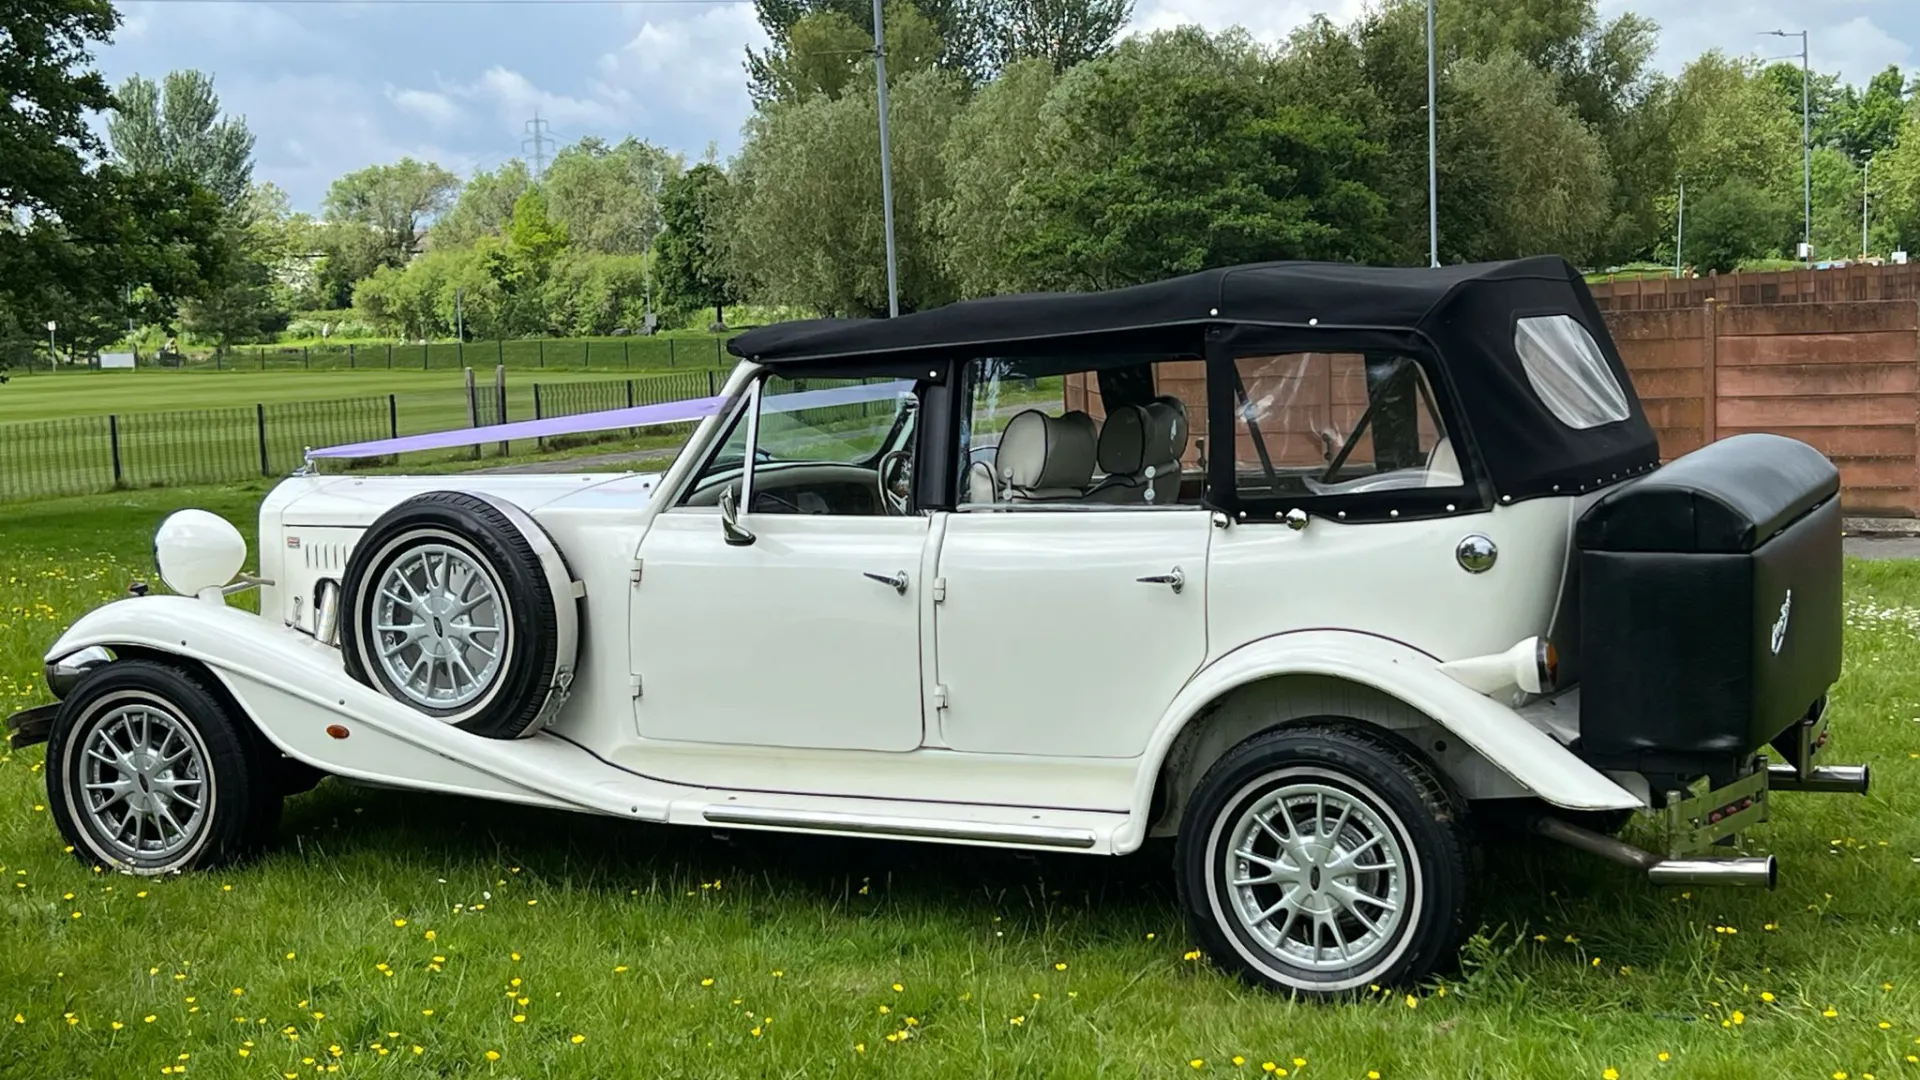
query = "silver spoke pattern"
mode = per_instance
[
  {"x": 143, "y": 782},
  {"x": 1314, "y": 874},
  {"x": 438, "y": 625}
]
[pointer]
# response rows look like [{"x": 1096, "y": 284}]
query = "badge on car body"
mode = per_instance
[
  {"x": 1476, "y": 554},
  {"x": 1780, "y": 624}
]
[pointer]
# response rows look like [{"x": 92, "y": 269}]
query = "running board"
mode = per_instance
[{"x": 984, "y": 832}]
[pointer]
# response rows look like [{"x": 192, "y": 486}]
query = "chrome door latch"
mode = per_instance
[
  {"x": 1176, "y": 578},
  {"x": 898, "y": 580}
]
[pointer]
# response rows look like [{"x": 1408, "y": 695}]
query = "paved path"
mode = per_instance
[{"x": 1884, "y": 547}]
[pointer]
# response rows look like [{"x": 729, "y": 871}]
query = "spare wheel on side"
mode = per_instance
[{"x": 460, "y": 605}]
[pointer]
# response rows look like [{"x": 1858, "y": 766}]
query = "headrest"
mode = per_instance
[
  {"x": 1041, "y": 451},
  {"x": 1123, "y": 442},
  {"x": 1166, "y": 430}
]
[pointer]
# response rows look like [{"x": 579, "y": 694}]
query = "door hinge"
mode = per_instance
[
  {"x": 939, "y": 590},
  {"x": 939, "y": 695},
  {"x": 633, "y": 575},
  {"x": 636, "y": 685}
]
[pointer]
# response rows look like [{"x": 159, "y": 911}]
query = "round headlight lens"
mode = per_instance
[{"x": 196, "y": 551}]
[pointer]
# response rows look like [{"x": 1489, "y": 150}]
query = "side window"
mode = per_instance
[
  {"x": 1096, "y": 431},
  {"x": 821, "y": 447},
  {"x": 1568, "y": 372},
  {"x": 1337, "y": 423}
]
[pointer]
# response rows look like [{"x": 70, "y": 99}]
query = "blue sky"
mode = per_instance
[{"x": 330, "y": 87}]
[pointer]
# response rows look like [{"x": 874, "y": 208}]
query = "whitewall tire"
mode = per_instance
[{"x": 1322, "y": 859}]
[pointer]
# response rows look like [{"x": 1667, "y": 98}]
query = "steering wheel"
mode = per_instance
[{"x": 896, "y": 481}]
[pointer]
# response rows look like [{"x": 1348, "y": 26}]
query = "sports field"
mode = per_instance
[{"x": 396, "y": 934}]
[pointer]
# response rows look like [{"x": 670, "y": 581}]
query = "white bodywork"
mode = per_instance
[{"x": 1023, "y": 689}]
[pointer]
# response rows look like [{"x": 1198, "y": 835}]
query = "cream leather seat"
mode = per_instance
[
  {"x": 1140, "y": 449},
  {"x": 1040, "y": 458}
]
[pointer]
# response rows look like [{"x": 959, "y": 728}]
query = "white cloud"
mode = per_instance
[
  {"x": 690, "y": 66},
  {"x": 1269, "y": 21},
  {"x": 517, "y": 99},
  {"x": 435, "y": 108}
]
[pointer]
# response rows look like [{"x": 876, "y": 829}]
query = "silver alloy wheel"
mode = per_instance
[
  {"x": 144, "y": 782},
  {"x": 1316, "y": 876},
  {"x": 439, "y": 626}
]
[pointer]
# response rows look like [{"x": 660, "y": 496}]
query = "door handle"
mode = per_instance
[
  {"x": 1177, "y": 579},
  {"x": 898, "y": 580}
]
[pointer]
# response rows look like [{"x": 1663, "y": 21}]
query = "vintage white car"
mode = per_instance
[{"x": 1306, "y": 566}]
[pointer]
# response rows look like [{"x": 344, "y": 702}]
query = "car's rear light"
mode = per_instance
[{"x": 1549, "y": 665}]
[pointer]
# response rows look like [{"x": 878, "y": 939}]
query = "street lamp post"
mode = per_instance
[
  {"x": 1433, "y": 178},
  {"x": 886, "y": 161},
  {"x": 1680, "y": 229},
  {"x": 1866, "y": 174},
  {"x": 53, "y": 350},
  {"x": 1806, "y": 139}
]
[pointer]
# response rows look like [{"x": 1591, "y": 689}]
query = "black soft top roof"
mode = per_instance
[{"x": 1465, "y": 315}]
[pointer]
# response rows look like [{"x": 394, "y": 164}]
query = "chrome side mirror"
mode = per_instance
[{"x": 730, "y": 525}]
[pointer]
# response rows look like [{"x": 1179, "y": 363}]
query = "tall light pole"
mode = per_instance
[
  {"x": 886, "y": 161},
  {"x": 1680, "y": 229},
  {"x": 1866, "y": 174},
  {"x": 1806, "y": 138},
  {"x": 1433, "y": 177},
  {"x": 53, "y": 350}
]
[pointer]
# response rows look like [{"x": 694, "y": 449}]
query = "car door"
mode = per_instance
[
  {"x": 1066, "y": 631},
  {"x": 799, "y": 626}
]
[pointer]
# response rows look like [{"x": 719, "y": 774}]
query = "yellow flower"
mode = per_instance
[
  {"x": 897, "y": 988},
  {"x": 859, "y": 1048},
  {"x": 1373, "y": 1074},
  {"x": 1198, "y": 1063},
  {"x": 1662, "y": 1055},
  {"x": 1884, "y": 1025},
  {"x": 519, "y": 1018},
  {"x": 145, "y": 1019},
  {"x": 912, "y": 1022},
  {"x": 1238, "y": 1061},
  {"x": 430, "y": 935},
  {"x": 493, "y": 1055},
  {"x": 1268, "y": 1066},
  {"x": 1766, "y": 996},
  {"x": 578, "y": 1039},
  {"x": 618, "y": 968},
  {"x": 1016, "y": 1021},
  {"x": 1191, "y": 954},
  {"x": 1739, "y": 1017},
  {"x": 885, "y": 1009},
  {"x": 778, "y": 974},
  {"x": 1610, "y": 1073},
  {"x": 399, "y": 922},
  {"x": 1412, "y": 1002},
  {"x": 426, "y": 1012},
  {"x": 1829, "y": 1012},
  {"x": 703, "y": 982}
]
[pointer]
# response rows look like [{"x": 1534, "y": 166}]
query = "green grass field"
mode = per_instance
[{"x": 395, "y": 934}]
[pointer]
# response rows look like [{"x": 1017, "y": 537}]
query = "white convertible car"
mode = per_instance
[{"x": 1304, "y": 565}]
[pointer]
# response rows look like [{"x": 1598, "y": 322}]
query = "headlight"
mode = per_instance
[{"x": 196, "y": 551}]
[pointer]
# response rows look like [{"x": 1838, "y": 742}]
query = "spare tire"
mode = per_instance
[{"x": 460, "y": 606}]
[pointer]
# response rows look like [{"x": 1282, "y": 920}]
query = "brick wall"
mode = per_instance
[{"x": 1838, "y": 376}]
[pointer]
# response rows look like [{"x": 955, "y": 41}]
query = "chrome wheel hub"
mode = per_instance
[
  {"x": 439, "y": 626},
  {"x": 1315, "y": 876},
  {"x": 143, "y": 781}
]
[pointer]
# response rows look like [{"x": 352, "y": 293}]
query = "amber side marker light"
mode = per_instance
[
  {"x": 1549, "y": 666},
  {"x": 337, "y": 731}
]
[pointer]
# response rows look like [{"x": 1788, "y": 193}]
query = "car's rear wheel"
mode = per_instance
[
  {"x": 451, "y": 608},
  {"x": 149, "y": 771},
  {"x": 1324, "y": 859}
]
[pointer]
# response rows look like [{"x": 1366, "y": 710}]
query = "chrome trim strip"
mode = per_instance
[{"x": 828, "y": 821}]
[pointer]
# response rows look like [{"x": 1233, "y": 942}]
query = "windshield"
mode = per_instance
[{"x": 838, "y": 421}]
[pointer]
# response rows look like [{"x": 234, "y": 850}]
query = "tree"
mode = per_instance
[
  {"x": 374, "y": 217},
  {"x": 609, "y": 196},
  {"x": 1896, "y": 190},
  {"x": 807, "y": 227},
  {"x": 1731, "y": 223},
  {"x": 1542, "y": 184},
  {"x": 1173, "y": 153},
  {"x": 177, "y": 127},
  {"x": 1061, "y": 32},
  {"x": 484, "y": 207},
  {"x": 1865, "y": 124},
  {"x": 962, "y": 49},
  {"x": 828, "y": 54},
  {"x": 690, "y": 265},
  {"x": 267, "y": 242},
  {"x": 991, "y": 154},
  {"x": 84, "y": 244}
]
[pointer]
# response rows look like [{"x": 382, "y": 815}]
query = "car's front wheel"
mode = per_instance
[
  {"x": 1322, "y": 859},
  {"x": 149, "y": 771}
]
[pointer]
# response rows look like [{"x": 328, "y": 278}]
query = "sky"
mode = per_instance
[{"x": 329, "y": 87}]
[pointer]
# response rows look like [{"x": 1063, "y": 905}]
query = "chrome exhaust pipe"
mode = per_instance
[
  {"x": 1841, "y": 779},
  {"x": 1764, "y": 872},
  {"x": 1662, "y": 871}
]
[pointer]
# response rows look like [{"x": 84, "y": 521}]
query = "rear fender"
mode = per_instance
[{"x": 1533, "y": 760}]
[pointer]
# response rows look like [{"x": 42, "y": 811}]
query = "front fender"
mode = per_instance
[
  {"x": 1526, "y": 754},
  {"x": 295, "y": 690}
]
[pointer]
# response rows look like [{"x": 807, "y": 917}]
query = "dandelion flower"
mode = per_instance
[
  {"x": 1191, "y": 954},
  {"x": 493, "y": 1055},
  {"x": 1739, "y": 1017},
  {"x": 519, "y": 1018},
  {"x": 1610, "y": 1073},
  {"x": 1766, "y": 996},
  {"x": 1061, "y": 966},
  {"x": 1198, "y": 1063},
  {"x": 897, "y": 988},
  {"x": 399, "y": 922},
  {"x": 1268, "y": 1066},
  {"x": 578, "y": 1039}
]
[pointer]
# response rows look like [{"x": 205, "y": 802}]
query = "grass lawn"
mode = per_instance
[{"x": 403, "y": 934}]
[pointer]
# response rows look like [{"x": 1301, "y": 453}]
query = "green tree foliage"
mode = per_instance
[
  {"x": 827, "y": 54},
  {"x": 811, "y": 60},
  {"x": 176, "y": 126},
  {"x": 484, "y": 206},
  {"x": 992, "y": 151},
  {"x": 608, "y": 196},
  {"x": 807, "y": 226},
  {"x": 83, "y": 244},
  {"x": 1172, "y": 154},
  {"x": 375, "y": 215},
  {"x": 690, "y": 265},
  {"x": 1735, "y": 221},
  {"x": 1060, "y": 32},
  {"x": 1896, "y": 190},
  {"x": 270, "y": 245},
  {"x": 1867, "y": 123}
]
